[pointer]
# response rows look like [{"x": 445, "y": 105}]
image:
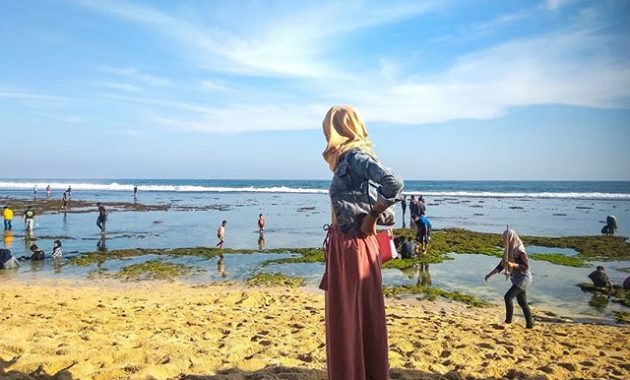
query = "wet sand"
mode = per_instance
[{"x": 109, "y": 330}]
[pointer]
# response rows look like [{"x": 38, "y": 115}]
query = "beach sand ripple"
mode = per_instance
[{"x": 153, "y": 330}]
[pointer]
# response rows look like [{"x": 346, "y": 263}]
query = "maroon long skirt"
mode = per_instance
[{"x": 356, "y": 332}]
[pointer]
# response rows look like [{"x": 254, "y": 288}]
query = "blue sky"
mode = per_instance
[{"x": 235, "y": 89}]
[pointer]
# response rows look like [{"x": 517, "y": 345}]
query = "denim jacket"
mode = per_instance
[{"x": 356, "y": 176}]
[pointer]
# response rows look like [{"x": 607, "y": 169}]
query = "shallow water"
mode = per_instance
[{"x": 296, "y": 220}]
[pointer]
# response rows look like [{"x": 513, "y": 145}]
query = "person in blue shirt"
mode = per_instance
[{"x": 424, "y": 231}]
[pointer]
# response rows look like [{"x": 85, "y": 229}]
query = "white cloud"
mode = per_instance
[
  {"x": 267, "y": 38},
  {"x": 134, "y": 74},
  {"x": 575, "y": 65},
  {"x": 127, "y": 87}
]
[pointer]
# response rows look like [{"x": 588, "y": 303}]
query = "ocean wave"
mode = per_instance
[
  {"x": 81, "y": 186},
  {"x": 41, "y": 187}
]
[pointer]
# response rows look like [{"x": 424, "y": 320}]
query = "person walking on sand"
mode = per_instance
[
  {"x": 29, "y": 219},
  {"x": 7, "y": 214},
  {"x": 516, "y": 265},
  {"x": 221, "y": 234},
  {"x": 102, "y": 217},
  {"x": 356, "y": 331},
  {"x": 261, "y": 223}
]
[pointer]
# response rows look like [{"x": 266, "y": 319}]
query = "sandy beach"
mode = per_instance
[{"x": 157, "y": 330}]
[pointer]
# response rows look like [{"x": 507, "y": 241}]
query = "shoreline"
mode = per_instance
[{"x": 173, "y": 330}]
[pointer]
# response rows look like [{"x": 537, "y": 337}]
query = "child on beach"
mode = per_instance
[
  {"x": 356, "y": 329},
  {"x": 56, "y": 254},
  {"x": 517, "y": 265},
  {"x": 221, "y": 234}
]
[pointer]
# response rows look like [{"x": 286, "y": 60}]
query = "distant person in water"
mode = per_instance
[
  {"x": 221, "y": 234},
  {"x": 413, "y": 211},
  {"x": 261, "y": 223},
  {"x": 516, "y": 265},
  {"x": 135, "y": 191},
  {"x": 424, "y": 231},
  {"x": 35, "y": 191},
  {"x": 422, "y": 207},
  {"x": 56, "y": 253},
  {"x": 64, "y": 201},
  {"x": 102, "y": 217},
  {"x": 29, "y": 219},
  {"x": 611, "y": 225},
  {"x": 403, "y": 204},
  {"x": 7, "y": 213},
  {"x": 600, "y": 278},
  {"x": 38, "y": 254},
  {"x": 48, "y": 191},
  {"x": 69, "y": 191}
]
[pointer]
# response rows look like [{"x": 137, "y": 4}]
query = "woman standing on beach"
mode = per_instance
[
  {"x": 361, "y": 192},
  {"x": 516, "y": 265}
]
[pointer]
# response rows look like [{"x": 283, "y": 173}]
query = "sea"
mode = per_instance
[{"x": 296, "y": 212}]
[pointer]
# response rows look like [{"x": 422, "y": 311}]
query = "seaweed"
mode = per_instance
[
  {"x": 152, "y": 270},
  {"x": 432, "y": 293},
  {"x": 622, "y": 316},
  {"x": 618, "y": 294},
  {"x": 560, "y": 259},
  {"x": 274, "y": 279}
]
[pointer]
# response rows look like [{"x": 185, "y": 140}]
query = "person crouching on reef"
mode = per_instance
[
  {"x": 516, "y": 265},
  {"x": 600, "y": 278},
  {"x": 221, "y": 234},
  {"x": 424, "y": 231},
  {"x": 356, "y": 327},
  {"x": 408, "y": 248},
  {"x": 611, "y": 226}
]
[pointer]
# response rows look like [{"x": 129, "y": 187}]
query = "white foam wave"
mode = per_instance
[
  {"x": 541, "y": 195},
  {"x": 41, "y": 187},
  {"x": 60, "y": 186}
]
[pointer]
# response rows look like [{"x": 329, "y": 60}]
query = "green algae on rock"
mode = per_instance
[
  {"x": 152, "y": 270},
  {"x": 431, "y": 294},
  {"x": 274, "y": 279}
]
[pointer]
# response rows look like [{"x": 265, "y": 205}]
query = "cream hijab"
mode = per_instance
[
  {"x": 512, "y": 244},
  {"x": 344, "y": 131}
]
